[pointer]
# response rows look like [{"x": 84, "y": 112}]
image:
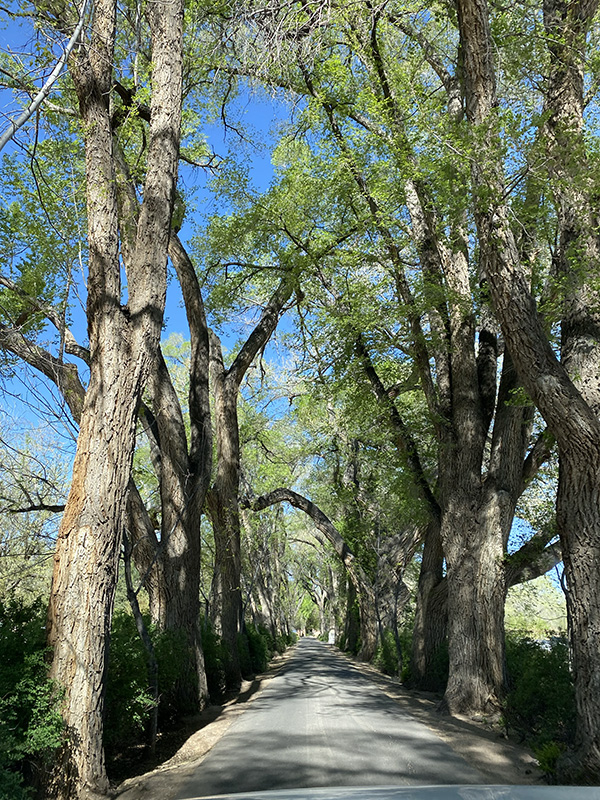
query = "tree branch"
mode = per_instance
[
  {"x": 404, "y": 440},
  {"x": 262, "y": 331},
  {"x": 64, "y": 376},
  {"x": 14, "y": 125},
  {"x": 199, "y": 394}
]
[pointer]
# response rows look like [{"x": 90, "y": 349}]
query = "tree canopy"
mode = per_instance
[{"x": 373, "y": 406}]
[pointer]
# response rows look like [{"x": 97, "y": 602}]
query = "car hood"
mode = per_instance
[{"x": 470, "y": 792}]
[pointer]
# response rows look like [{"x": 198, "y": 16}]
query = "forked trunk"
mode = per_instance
[
  {"x": 222, "y": 500},
  {"x": 123, "y": 345},
  {"x": 571, "y": 412}
]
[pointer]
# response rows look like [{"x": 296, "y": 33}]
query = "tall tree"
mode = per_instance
[
  {"x": 392, "y": 179},
  {"x": 223, "y": 498},
  {"x": 569, "y": 403},
  {"x": 123, "y": 344}
]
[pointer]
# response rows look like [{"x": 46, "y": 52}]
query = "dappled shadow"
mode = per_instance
[{"x": 321, "y": 723}]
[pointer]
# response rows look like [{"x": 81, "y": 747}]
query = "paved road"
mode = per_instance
[{"x": 319, "y": 722}]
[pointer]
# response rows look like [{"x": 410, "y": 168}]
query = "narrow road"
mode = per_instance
[{"x": 319, "y": 722}]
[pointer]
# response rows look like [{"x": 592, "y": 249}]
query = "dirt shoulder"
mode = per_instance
[{"x": 500, "y": 760}]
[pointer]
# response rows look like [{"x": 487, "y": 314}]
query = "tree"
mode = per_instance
[
  {"x": 170, "y": 563},
  {"x": 222, "y": 500},
  {"x": 183, "y": 473},
  {"x": 568, "y": 402},
  {"x": 397, "y": 188},
  {"x": 123, "y": 344}
]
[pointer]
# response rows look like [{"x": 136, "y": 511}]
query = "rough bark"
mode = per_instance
[
  {"x": 476, "y": 591},
  {"x": 224, "y": 515},
  {"x": 122, "y": 347},
  {"x": 351, "y": 622},
  {"x": 170, "y": 566},
  {"x": 569, "y": 411},
  {"x": 461, "y": 405},
  {"x": 476, "y": 523},
  {"x": 184, "y": 473},
  {"x": 182, "y": 493},
  {"x": 577, "y": 506}
]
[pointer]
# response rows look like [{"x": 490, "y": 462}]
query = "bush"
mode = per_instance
[
  {"x": 258, "y": 646},
  {"x": 277, "y": 644},
  {"x": 129, "y": 702},
  {"x": 177, "y": 679},
  {"x": 386, "y": 655},
  {"x": 540, "y": 703},
  {"x": 547, "y": 757},
  {"x": 31, "y": 727},
  {"x": 216, "y": 657}
]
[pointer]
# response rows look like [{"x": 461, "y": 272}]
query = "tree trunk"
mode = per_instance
[
  {"x": 123, "y": 344},
  {"x": 567, "y": 411},
  {"x": 367, "y": 622},
  {"x": 222, "y": 500},
  {"x": 473, "y": 547},
  {"x": 83, "y": 586},
  {"x": 182, "y": 491},
  {"x": 224, "y": 514},
  {"x": 476, "y": 595},
  {"x": 577, "y": 505},
  {"x": 351, "y": 625},
  {"x": 170, "y": 568},
  {"x": 430, "y": 628},
  {"x": 578, "y": 519}
]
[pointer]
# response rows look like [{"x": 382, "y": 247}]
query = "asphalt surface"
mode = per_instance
[{"x": 319, "y": 722}]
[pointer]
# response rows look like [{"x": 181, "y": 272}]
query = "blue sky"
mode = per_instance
[{"x": 258, "y": 112}]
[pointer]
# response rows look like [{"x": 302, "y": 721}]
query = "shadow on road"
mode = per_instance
[{"x": 321, "y": 723}]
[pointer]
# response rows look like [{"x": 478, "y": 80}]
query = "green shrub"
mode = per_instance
[
  {"x": 129, "y": 702},
  {"x": 270, "y": 641},
  {"x": 386, "y": 655},
  {"x": 547, "y": 757},
  {"x": 540, "y": 702},
  {"x": 31, "y": 727},
  {"x": 216, "y": 657},
  {"x": 177, "y": 679},
  {"x": 129, "y": 699},
  {"x": 11, "y": 784},
  {"x": 258, "y": 646}
]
